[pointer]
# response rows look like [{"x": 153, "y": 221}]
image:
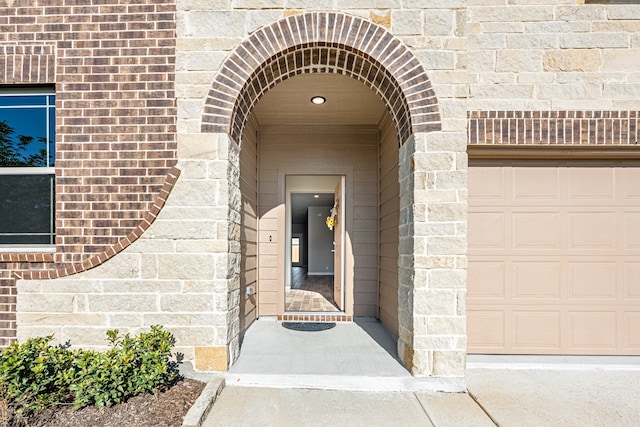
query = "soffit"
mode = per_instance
[{"x": 349, "y": 102}]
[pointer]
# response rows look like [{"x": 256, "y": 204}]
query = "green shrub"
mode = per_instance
[
  {"x": 36, "y": 375},
  {"x": 133, "y": 366}
]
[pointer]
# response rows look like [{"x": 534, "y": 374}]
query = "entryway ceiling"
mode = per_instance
[{"x": 349, "y": 102}]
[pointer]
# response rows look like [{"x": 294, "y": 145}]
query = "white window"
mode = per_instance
[{"x": 27, "y": 173}]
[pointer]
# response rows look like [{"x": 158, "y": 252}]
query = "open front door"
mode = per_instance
[{"x": 338, "y": 238}]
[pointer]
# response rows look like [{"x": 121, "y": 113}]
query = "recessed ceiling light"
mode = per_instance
[
  {"x": 316, "y": 196},
  {"x": 318, "y": 100}
]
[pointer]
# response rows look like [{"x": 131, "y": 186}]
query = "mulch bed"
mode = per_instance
[{"x": 162, "y": 409}]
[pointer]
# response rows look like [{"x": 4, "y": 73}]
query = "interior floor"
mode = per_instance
[{"x": 310, "y": 293}]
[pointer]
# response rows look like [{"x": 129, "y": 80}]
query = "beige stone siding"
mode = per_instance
[
  {"x": 176, "y": 274},
  {"x": 560, "y": 56}
]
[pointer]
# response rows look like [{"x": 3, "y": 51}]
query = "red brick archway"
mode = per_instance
[{"x": 325, "y": 43}]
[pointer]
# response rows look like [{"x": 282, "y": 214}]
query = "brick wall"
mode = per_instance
[
  {"x": 112, "y": 63},
  {"x": 567, "y": 128}
]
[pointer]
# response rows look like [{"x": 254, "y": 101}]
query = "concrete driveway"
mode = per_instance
[{"x": 581, "y": 397}]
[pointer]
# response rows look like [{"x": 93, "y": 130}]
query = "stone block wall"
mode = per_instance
[
  {"x": 181, "y": 273},
  {"x": 441, "y": 50},
  {"x": 556, "y": 56}
]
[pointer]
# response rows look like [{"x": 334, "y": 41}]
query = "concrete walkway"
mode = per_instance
[
  {"x": 254, "y": 406},
  {"x": 349, "y": 376},
  {"x": 358, "y": 355}
]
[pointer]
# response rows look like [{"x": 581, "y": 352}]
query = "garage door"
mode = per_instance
[{"x": 554, "y": 258}]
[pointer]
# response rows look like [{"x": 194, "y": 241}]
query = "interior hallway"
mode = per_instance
[{"x": 310, "y": 293}]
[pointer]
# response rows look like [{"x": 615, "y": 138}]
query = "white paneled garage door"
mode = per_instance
[{"x": 554, "y": 258}]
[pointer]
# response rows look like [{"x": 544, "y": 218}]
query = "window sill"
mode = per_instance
[{"x": 22, "y": 249}]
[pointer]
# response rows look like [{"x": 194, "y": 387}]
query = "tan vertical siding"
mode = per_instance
[
  {"x": 389, "y": 218},
  {"x": 248, "y": 225},
  {"x": 324, "y": 151}
]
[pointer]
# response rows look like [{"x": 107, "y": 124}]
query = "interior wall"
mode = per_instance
[
  {"x": 389, "y": 221},
  {"x": 248, "y": 225},
  {"x": 320, "y": 241},
  {"x": 323, "y": 150}
]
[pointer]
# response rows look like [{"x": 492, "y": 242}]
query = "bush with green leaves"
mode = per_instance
[{"x": 37, "y": 375}]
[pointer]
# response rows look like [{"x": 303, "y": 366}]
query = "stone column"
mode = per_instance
[
  {"x": 233, "y": 260},
  {"x": 406, "y": 260},
  {"x": 432, "y": 262}
]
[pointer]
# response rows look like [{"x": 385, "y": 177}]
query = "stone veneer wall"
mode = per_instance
[
  {"x": 179, "y": 273},
  {"x": 553, "y": 74},
  {"x": 561, "y": 56},
  {"x": 221, "y": 113}
]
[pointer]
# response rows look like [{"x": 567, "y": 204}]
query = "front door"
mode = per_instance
[{"x": 338, "y": 237}]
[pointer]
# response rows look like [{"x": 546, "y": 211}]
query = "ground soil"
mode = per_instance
[{"x": 162, "y": 409}]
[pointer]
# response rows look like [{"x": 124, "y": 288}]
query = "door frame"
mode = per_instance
[
  {"x": 284, "y": 225},
  {"x": 338, "y": 267}
]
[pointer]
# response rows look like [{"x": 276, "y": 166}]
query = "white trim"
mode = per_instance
[
  {"x": 35, "y": 170},
  {"x": 37, "y": 89},
  {"x": 343, "y": 240},
  {"x": 19, "y": 249}
]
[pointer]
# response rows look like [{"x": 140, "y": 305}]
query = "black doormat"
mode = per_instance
[{"x": 309, "y": 326}]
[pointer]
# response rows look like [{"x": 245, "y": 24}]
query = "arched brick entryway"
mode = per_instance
[
  {"x": 322, "y": 43},
  {"x": 336, "y": 43}
]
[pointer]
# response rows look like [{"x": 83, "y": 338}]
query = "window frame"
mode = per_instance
[{"x": 49, "y": 170}]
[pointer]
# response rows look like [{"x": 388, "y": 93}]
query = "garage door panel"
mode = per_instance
[
  {"x": 592, "y": 280},
  {"x": 632, "y": 330},
  {"x": 487, "y": 184},
  {"x": 592, "y": 230},
  {"x": 627, "y": 179},
  {"x": 592, "y": 330},
  {"x": 535, "y": 184},
  {"x": 488, "y": 229},
  {"x": 632, "y": 230},
  {"x": 535, "y": 279},
  {"x": 486, "y": 329},
  {"x": 536, "y": 230},
  {"x": 486, "y": 279},
  {"x": 536, "y": 329},
  {"x": 631, "y": 280},
  {"x": 590, "y": 183},
  {"x": 567, "y": 279}
]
